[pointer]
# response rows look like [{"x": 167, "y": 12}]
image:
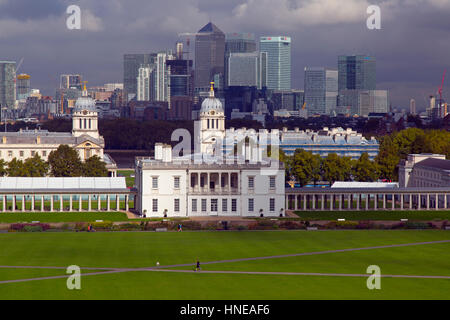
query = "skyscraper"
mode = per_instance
[
  {"x": 161, "y": 77},
  {"x": 412, "y": 107},
  {"x": 321, "y": 90},
  {"x": 131, "y": 65},
  {"x": 23, "y": 86},
  {"x": 278, "y": 61},
  {"x": 238, "y": 43},
  {"x": 143, "y": 83},
  {"x": 7, "y": 84},
  {"x": 247, "y": 69},
  {"x": 357, "y": 72},
  {"x": 68, "y": 81},
  {"x": 209, "y": 55}
]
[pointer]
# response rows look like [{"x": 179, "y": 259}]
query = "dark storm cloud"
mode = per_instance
[
  {"x": 412, "y": 49},
  {"x": 29, "y": 9}
]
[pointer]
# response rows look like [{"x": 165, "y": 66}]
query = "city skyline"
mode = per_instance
[{"x": 410, "y": 49}]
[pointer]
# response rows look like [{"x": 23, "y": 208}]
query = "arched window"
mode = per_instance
[
  {"x": 89, "y": 123},
  {"x": 208, "y": 124},
  {"x": 212, "y": 123},
  {"x": 85, "y": 124},
  {"x": 80, "y": 124}
]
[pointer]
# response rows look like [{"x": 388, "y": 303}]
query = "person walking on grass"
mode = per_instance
[{"x": 197, "y": 267}]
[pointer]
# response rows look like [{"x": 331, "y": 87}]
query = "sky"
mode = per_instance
[{"x": 412, "y": 47}]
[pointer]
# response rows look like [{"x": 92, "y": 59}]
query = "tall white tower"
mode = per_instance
[
  {"x": 212, "y": 123},
  {"x": 143, "y": 83},
  {"x": 85, "y": 117}
]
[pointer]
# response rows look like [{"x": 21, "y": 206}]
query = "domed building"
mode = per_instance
[
  {"x": 84, "y": 138},
  {"x": 212, "y": 123}
]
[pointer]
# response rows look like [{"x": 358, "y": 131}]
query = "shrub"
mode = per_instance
[
  {"x": 292, "y": 225},
  {"x": 191, "y": 225},
  {"x": 29, "y": 227},
  {"x": 418, "y": 225},
  {"x": 212, "y": 226},
  {"x": 105, "y": 225},
  {"x": 241, "y": 228},
  {"x": 365, "y": 225}
]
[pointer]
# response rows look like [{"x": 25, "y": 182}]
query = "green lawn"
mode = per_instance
[
  {"x": 127, "y": 174},
  {"x": 143, "y": 249},
  {"x": 424, "y": 215},
  {"x": 61, "y": 216}
]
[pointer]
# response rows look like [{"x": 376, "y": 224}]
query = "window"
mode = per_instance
[
  {"x": 44, "y": 153},
  {"x": 155, "y": 205},
  {"x": 214, "y": 206},
  {"x": 176, "y": 182},
  {"x": 33, "y": 153},
  {"x": 21, "y": 153},
  {"x": 194, "y": 205},
  {"x": 272, "y": 204},
  {"x": 251, "y": 205},
  {"x": 272, "y": 183},
  {"x": 203, "y": 205},
  {"x": 154, "y": 182},
  {"x": 251, "y": 182},
  {"x": 234, "y": 205},
  {"x": 224, "y": 205},
  {"x": 176, "y": 205},
  {"x": 10, "y": 153}
]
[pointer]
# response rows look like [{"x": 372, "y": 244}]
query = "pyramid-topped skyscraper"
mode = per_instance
[{"x": 209, "y": 55}]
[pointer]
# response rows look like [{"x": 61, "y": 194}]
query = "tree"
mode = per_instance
[
  {"x": 335, "y": 168},
  {"x": 94, "y": 167},
  {"x": 3, "y": 168},
  {"x": 405, "y": 141},
  {"x": 65, "y": 162},
  {"x": 35, "y": 167},
  {"x": 364, "y": 169},
  {"x": 16, "y": 168},
  {"x": 388, "y": 158},
  {"x": 306, "y": 167}
]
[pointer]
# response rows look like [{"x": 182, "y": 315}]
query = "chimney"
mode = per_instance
[
  {"x": 167, "y": 153},
  {"x": 158, "y": 151}
]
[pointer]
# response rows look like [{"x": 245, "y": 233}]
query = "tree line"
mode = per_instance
[
  {"x": 308, "y": 168},
  {"x": 63, "y": 162}
]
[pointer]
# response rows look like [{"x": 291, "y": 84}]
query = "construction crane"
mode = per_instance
[{"x": 440, "y": 92}]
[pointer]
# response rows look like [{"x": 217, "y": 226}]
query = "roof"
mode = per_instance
[
  {"x": 210, "y": 27},
  {"x": 62, "y": 184},
  {"x": 29, "y": 137},
  {"x": 357, "y": 184},
  {"x": 440, "y": 164}
]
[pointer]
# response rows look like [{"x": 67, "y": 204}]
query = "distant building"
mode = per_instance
[
  {"x": 23, "y": 86},
  {"x": 424, "y": 170},
  {"x": 8, "y": 84},
  {"x": 131, "y": 65},
  {"x": 143, "y": 83},
  {"x": 364, "y": 102},
  {"x": 69, "y": 81},
  {"x": 357, "y": 72},
  {"x": 321, "y": 90},
  {"x": 247, "y": 69},
  {"x": 238, "y": 43},
  {"x": 344, "y": 143},
  {"x": 209, "y": 55},
  {"x": 278, "y": 61},
  {"x": 412, "y": 107}
]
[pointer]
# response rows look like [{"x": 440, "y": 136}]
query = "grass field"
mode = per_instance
[
  {"x": 128, "y": 178},
  {"x": 144, "y": 249},
  {"x": 423, "y": 215}
]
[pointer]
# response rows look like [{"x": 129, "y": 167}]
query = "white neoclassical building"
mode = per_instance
[
  {"x": 208, "y": 183},
  {"x": 84, "y": 137}
]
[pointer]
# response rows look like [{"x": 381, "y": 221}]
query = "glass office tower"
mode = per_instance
[{"x": 278, "y": 61}]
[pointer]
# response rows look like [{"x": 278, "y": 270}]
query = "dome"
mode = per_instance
[
  {"x": 211, "y": 103},
  {"x": 85, "y": 103}
]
